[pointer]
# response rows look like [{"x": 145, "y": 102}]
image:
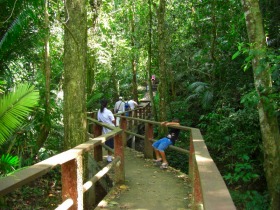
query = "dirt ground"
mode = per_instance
[{"x": 147, "y": 187}]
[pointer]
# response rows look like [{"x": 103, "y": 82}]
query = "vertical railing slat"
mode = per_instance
[
  {"x": 149, "y": 135},
  {"x": 119, "y": 152}
]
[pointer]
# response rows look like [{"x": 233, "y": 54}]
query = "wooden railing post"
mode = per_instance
[
  {"x": 141, "y": 112},
  {"x": 91, "y": 128},
  {"x": 72, "y": 182},
  {"x": 119, "y": 152},
  {"x": 97, "y": 149},
  {"x": 149, "y": 135},
  {"x": 123, "y": 125}
]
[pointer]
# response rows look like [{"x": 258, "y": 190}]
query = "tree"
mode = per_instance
[
  {"x": 75, "y": 45},
  {"x": 46, "y": 125},
  {"x": 268, "y": 118},
  {"x": 74, "y": 85},
  {"x": 162, "y": 61},
  {"x": 149, "y": 62},
  {"x": 133, "y": 52}
]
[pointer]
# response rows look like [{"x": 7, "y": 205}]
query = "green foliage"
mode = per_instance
[
  {"x": 177, "y": 159},
  {"x": 250, "y": 199},
  {"x": 234, "y": 141},
  {"x": 243, "y": 172},
  {"x": 15, "y": 107},
  {"x": 233, "y": 137},
  {"x": 94, "y": 100},
  {"x": 8, "y": 163},
  {"x": 201, "y": 91}
]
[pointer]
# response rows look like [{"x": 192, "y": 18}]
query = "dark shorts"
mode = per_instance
[{"x": 110, "y": 143}]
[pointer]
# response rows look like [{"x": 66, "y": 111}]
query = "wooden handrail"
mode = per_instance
[
  {"x": 209, "y": 189},
  {"x": 67, "y": 159}
]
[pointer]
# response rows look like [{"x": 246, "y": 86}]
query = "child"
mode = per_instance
[{"x": 162, "y": 144}]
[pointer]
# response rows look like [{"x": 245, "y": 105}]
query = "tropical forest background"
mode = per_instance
[{"x": 201, "y": 52}]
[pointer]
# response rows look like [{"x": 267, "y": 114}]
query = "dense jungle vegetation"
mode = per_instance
[{"x": 216, "y": 62}]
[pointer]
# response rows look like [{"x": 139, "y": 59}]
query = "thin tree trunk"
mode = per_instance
[
  {"x": 133, "y": 56},
  {"x": 95, "y": 8},
  {"x": 214, "y": 30},
  {"x": 268, "y": 119},
  {"x": 46, "y": 125},
  {"x": 154, "y": 111},
  {"x": 162, "y": 62}
]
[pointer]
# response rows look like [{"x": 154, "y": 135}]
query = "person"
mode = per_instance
[
  {"x": 132, "y": 104},
  {"x": 106, "y": 116},
  {"x": 119, "y": 108},
  {"x": 162, "y": 144}
]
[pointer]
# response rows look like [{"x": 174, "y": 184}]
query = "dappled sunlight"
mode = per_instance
[{"x": 202, "y": 159}]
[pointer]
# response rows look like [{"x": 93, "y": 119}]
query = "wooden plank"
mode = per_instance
[
  {"x": 26, "y": 175},
  {"x": 214, "y": 191}
]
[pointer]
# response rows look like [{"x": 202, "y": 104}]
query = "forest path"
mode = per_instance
[{"x": 147, "y": 187}]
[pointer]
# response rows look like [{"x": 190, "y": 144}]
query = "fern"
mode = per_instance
[
  {"x": 8, "y": 163},
  {"x": 15, "y": 107}
]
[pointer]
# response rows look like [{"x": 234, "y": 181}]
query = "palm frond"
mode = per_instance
[
  {"x": 17, "y": 30},
  {"x": 8, "y": 163},
  {"x": 15, "y": 107},
  {"x": 198, "y": 87},
  {"x": 207, "y": 99}
]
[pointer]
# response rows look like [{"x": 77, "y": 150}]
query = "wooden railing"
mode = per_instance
[
  {"x": 71, "y": 162},
  {"x": 209, "y": 189}
]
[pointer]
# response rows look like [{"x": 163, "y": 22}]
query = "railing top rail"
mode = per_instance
[{"x": 26, "y": 175}]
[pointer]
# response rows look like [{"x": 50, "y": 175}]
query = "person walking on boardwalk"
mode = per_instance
[
  {"x": 132, "y": 104},
  {"x": 106, "y": 116},
  {"x": 119, "y": 108},
  {"x": 162, "y": 144}
]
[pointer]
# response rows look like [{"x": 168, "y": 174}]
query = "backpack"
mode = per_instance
[{"x": 126, "y": 106}]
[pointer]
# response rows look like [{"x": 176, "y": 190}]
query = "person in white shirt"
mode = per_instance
[
  {"x": 132, "y": 104},
  {"x": 119, "y": 108},
  {"x": 106, "y": 116}
]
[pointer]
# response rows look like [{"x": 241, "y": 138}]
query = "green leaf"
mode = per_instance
[
  {"x": 15, "y": 107},
  {"x": 235, "y": 55}
]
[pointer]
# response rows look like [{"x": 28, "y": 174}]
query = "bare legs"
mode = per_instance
[{"x": 160, "y": 155}]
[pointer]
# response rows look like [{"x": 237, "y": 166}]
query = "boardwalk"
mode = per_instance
[{"x": 148, "y": 187}]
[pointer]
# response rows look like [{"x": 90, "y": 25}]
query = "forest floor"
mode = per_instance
[{"x": 148, "y": 187}]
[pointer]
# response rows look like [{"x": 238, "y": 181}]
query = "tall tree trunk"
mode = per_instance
[
  {"x": 154, "y": 111},
  {"x": 46, "y": 125},
  {"x": 133, "y": 56},
  {"x": 162, "y": 62},
  {"x": 114, "y": 80},
  {"x": 214, "y": 30},
  {"x": 268, "y": 120},
  {"x": 95, "y": 6},
  {"x": 74, "y": 86}
]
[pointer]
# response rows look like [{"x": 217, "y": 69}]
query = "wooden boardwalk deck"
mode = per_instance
[{"x": 148, "y": 187}]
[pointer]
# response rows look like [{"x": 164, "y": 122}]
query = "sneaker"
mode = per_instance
[
  {"x": 157, "y": 162},
  {"x": 164, "y": 166}
]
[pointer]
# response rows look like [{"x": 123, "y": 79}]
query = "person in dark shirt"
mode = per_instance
[{"x": 162, "y": 144}]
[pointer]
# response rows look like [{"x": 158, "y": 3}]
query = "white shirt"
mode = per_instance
[
  {"x": 119, "y": 106},
  {"x": 132, "y": 104},
  {"x": 106, "y": 117}
]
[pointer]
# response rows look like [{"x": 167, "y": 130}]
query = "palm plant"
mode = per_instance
[
  {"x": 201, "y": 91},
  {"x": 15, "y": 107}
]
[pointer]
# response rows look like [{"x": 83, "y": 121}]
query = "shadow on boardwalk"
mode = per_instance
[{"x": 147, "y": 187}]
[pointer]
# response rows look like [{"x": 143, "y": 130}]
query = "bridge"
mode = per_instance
[{"x": 130, "y": 181}]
